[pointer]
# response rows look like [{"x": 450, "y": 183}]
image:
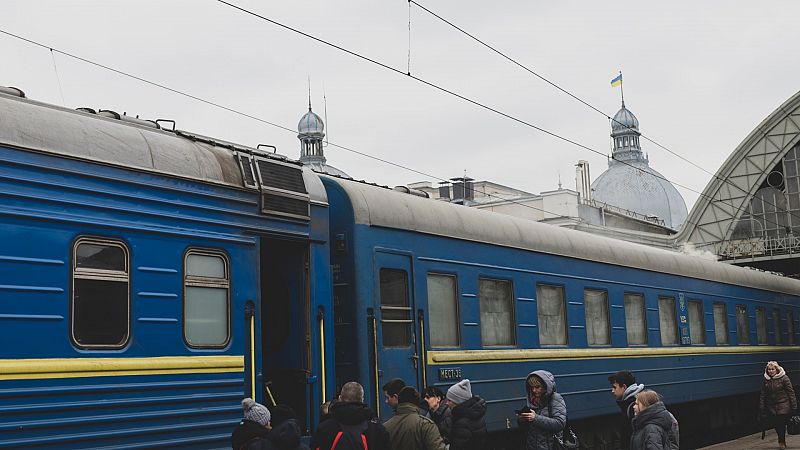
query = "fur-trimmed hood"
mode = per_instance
[{"x": 780, "y": 373}]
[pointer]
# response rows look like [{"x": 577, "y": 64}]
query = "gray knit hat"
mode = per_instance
[
  {"x": 255, "y": 412},
  {"x": 459, "y": 392}
]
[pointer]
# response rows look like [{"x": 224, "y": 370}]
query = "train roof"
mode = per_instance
[
  {"x": 131, "y": 143},
  {"x": 377, "y": 206}
]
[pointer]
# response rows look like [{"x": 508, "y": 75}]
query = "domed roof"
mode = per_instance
[
  {"x": 310, "y": 123},
  {"x": 624, "y": 120},
  {"x": 637, "y": 187}
]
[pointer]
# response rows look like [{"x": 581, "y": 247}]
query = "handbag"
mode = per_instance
[
  {"x": 793, "y": 425},
  {"x": 566, "y": 439}
]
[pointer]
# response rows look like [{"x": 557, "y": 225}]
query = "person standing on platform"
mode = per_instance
[
  {"x": 624, "y": 389},
  {"x": 352, "y": 425},
  {"x": 777, "y": 400},
  {"x": 544, "y": 413},
  {"x": 654, "y": 428},
  {"x": 408, "y": 429},
  {"x": 436, "y": 403},
  {"x": 390, "y": 391},
  {"x": 465, "y": 427}
]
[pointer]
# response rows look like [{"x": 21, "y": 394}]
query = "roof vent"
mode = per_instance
[
  {"x": 16, "y": 92},
  {"x": 408, "y": 190},
  {"x": 126, "y": 118}
]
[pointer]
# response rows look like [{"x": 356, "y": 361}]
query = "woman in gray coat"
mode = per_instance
[{"x": 544, "y": 414}]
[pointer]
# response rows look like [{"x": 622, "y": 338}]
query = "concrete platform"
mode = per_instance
[{"x": 754, "y": 442}]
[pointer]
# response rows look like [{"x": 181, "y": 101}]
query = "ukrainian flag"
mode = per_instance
[{"x": 617, "y": 81}]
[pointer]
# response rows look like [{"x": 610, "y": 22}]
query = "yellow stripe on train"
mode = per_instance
[
  {"x": 30, "y": 369},
  {"x": 522, "y": 355}
]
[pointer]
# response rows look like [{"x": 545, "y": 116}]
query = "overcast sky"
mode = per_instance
[{"x": 699, "y": 75}]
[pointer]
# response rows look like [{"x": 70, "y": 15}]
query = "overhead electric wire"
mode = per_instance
[{"x": 250, "y": 116}]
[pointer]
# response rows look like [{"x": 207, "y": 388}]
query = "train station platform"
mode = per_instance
[{"x": 754, "y": 442}]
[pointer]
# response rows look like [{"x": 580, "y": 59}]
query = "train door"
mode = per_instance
[{"x": 396, "y": 336}]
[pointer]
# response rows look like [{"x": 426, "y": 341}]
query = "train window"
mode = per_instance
[
  {"x": 720, "y": 323},
  {"x": 776, "y": 324},
  {"x": 443, "y": 310},
  {"x": 790, "y": 327},
  {"x": 742, "y": 325},
  {"x": 395, "y": 308},
  {"x": 668, "y": 321},
  {"x": 635, "y": 319},
  {"x": 697, "y": 331},
  {"x": 761, "y": 326},
  {"x": 552, "y": 312},
  {"x": 598, "y": 329},
  {"x": 100, "y": 303},
  {"x": 497, "y": 312},
  {"x": 206, "y": 306}
]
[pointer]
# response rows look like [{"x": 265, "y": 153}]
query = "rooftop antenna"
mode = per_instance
[
  {"x": 325, "y": 112},
  {"x": 309, "y": 92},
  {"x": 559, "y": 181}
]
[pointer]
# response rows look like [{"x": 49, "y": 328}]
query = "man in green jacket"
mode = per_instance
[{"x": 408, "y": 429}]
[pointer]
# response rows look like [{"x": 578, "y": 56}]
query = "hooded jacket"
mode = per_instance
[
  {"x": 654, "y": 429},
  {"x": 626, "y": 407},
  {"x": 246, "y": 432},
  {"x": 777, "y": 394},
  {"x": 464, "y": 426},
  {"x": 551, "y": 414},
  {"x": 354, "y": 419},
  {"x": 409, "y": 429}
]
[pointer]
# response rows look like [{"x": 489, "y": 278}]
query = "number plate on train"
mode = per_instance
[{"x": 453, "y": 373}]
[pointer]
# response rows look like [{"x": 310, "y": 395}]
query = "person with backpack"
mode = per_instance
[
  {"x": 777, "y": 400},
  {"x": 654, "y": 428},
  {"x": 408, "y": 429},
  {"x": 544, "y": 414},
  {"x": 352, "y": 424},
  {"x": 465, "y": 427}
]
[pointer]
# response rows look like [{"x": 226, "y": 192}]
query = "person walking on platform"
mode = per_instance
[
  {"x": 624, "y": 389},
  {"x": 465, "y": 427},
  {"x": 654, "y": 428},
  {"x": 408, "y": 429},
  {"x": 544, "y": 413},
  {"x": 777, "y": 400},
  {"x": 352, "y": 425}
]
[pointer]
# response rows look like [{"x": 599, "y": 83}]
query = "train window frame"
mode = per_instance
[
  {"x": 790, "y": 327},
  {"x": 643, "y": 326},
  {"x": 455, "y": 321},
  {"x": 741, "y": 313},
  {"x": 696, "y": 319},
  {"x": 604, "y": 308},
  {"x": 776, "y": 325},
  {"x": 511, "y": 309},
  {"x": 565, "y": 317},
  {"x": 674, "y": 320},
  {"x": 208, "y": 282},
  {"x": 762, "y": 337},
  {"x": 391, "y": 309},
  {"x": 715, "y": 307},
  {"x": 105, "y": 275}
]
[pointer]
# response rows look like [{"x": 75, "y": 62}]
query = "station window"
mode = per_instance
[
  {"x": 206, "y": 304},
  {"x": 635, "y": 319},
  {"x": 761, "y": 326},
  {"x": 598, "y": 329},
  {"x": 497, "y": 312},
  {"x": 790, "y": 327},
  {"x": 552, "y": 312},
  {"x": 742, "y": 325},
  {"x": 668, "y": 320},
  {"x": 776, "y": 323},
  {"x": 721, "y": 323},
  {"x": 100, "y": 310},
  {"x": 443, "y": 310},
  {"x": 395, "y": 308},
  {"x": 697, "y": 331}
]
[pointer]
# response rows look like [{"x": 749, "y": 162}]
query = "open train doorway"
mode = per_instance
[{"x": 285, "y": 313}]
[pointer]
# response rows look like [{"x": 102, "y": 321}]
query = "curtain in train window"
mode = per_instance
[
  {"x": 551, "y": 309},
  {"x": 100, "y": 312},
  {"x": 598, "y": 329},
  {"x": 635, "y": 319},
  {"x": 443, "y": 310},
  {"x": 395, "y": 309},
  {"x": 790, "y": 327},
  {"x": 697, "y": 330},
  {"x": 497, "y": 312},
  {"x": 761, "y": 326},
  {"x": 720, "y": 323},
  {"x": 776, "y": 323},
  {"x": 206, "y": 308},
  {"x": 668, "y": 321},
  {"x": 742, "y": 325}
]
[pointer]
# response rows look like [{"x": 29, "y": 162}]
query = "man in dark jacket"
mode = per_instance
[
  {"x": 408, "y": 429},
  {"x": 465, "y": 427},
  {"x": 624, "y": 389},
  {"x": 351, "y": 424}
]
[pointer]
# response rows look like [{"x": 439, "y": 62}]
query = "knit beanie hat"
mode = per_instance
[
  {"x": 255, "y": 412},
  {"x": 459, "y": 392}
]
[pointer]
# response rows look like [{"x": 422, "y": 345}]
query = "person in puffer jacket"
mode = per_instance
[
  {"x": 777, "y": 400},
  {"x": 464, "y": 428},
  {"x": 545, "y": 412},
  {"x": 654, "y": 428}
]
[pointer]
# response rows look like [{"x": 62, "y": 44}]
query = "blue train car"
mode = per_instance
[
  {"x": 149, "y": 280},
  {"x": 443, "y": 292}
]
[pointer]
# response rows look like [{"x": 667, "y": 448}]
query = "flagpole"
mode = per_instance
[{"x": 621, "y": 91}]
